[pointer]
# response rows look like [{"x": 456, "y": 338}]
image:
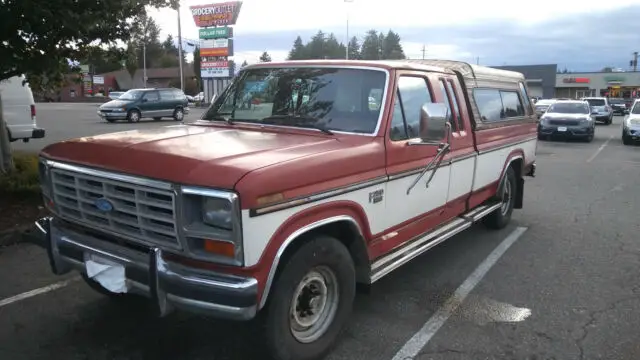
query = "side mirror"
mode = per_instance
[
  {"x": 434, "y": 123},
  {"x": 145, "y": 99}
]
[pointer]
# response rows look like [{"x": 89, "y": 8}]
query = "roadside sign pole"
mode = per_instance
[{"x": 180, "y": 47}]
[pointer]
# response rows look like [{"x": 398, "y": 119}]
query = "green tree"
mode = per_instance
[
  {"x": 244, "y": 63},
  {"x": 197, "y": 65},
  {"x": 354, "y": 49},
  {"x": 391, "y": 48},
  {"x": 265, "y": 57},
  {"x": 371, "y": 46},
  {"x": 131, "y": 59},
  {"x": 334, "y": 49},
  {"x": 316, "y": 47},
  {"x": 38, "y": 40},
  {"x": 298, "y": 52},
  {"x": 147, "y": 38}
]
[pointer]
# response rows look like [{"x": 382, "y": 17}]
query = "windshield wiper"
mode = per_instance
[{"x": 307, "y": 122}]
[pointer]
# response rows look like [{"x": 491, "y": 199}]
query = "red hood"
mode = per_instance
[{"x": 195, "y": 155}]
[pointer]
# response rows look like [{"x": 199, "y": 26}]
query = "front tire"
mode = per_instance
[
  {"x": 133, "y": 116},
  {"x": 311, "y": 301},
  {"x": 501, "y": 217},
  {"x": 626, "y": 140}
]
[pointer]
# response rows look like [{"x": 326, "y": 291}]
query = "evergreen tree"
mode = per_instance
[
  {"x": 316, "y": 47},
  {"x": 265, "y": 57},
  {"x": 197, "y": 65},
  {"x": 371, "y": 46},
  {"x": 298, "y": 50},
  {"x": 244, "y": 63},
  {"x": 354, "y": 49},
  {"x": 391, "y": 48},
  {"x": 334, "y": 49}
]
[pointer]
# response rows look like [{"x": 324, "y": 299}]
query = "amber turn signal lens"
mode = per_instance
[
  {"x": 270, "y": 199},
  {"x": 220, "y": 248}
]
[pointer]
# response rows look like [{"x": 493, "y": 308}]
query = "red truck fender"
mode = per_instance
[{"x": 347, "y": 218}]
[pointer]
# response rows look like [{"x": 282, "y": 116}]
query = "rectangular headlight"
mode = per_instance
[{"x": 212, "y": 226}]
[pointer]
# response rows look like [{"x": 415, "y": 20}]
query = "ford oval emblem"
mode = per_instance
[{"x": 104, "y": 205}]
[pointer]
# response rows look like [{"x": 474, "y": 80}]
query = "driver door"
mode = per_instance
[
  {"x": 409, "y": 215},
  {"x": 150, "y": 104}
]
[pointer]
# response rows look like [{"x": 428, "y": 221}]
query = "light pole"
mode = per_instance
[
  {"x": 180, "y": 46},
  {"x": 144, "y": 62},
  {"x": 348, "y": 40}
]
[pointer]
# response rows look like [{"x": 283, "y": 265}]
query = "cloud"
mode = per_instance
[{"x": 581, "y": 36}]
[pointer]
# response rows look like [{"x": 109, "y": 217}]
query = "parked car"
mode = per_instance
[
  {"x": 618, "y": 106},
  {"x": 601, "y": 109},
  {"x": 631, "y": 124},
  {"x": 283, "y": 208},
  {"x": 19, "y": 110},
  {"x": 115, "y": 95},
  {"x": 542, "y": 105},
  {"x": 569, "y": 119},
  {"x": 138, "y": 104}
]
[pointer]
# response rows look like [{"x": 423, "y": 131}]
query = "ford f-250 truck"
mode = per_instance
[{"x": 300, "y": 181}]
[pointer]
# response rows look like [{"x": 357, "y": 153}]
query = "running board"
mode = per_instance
[{"x": 410, "y": 250}]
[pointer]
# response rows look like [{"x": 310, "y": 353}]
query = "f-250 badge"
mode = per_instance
[{"x": 376, "y": 196}]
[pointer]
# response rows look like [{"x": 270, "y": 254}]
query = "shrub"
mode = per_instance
[{"x": 24, "y": 179}]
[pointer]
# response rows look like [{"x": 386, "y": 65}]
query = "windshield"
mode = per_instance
[
  {"x": 542, "y": 107},
  {"x": 636, "y": 108},
  {"x": 596, "y": 102},
  {"x": 336, "y": 99},
  {"x": 569, "y": 108},
  {"x": 131, "y": 95},
  {"x": 616, "y": 101}
]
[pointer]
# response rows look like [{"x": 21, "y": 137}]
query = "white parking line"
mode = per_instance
[
  {"x": 412, "y": 347},
  {"x": 599, "y": 149},
  {"x": 42, "y": 290}
]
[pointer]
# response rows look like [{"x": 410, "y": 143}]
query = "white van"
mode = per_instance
[{"x": 19, "y": 110}]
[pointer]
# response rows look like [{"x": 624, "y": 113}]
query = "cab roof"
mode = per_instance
[{"x": 468, "y": 71}]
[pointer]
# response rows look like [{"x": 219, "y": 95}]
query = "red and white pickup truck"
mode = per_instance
[{"x": 303, "y": 179}]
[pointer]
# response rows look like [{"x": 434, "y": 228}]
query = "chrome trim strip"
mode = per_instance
[
  {"x": 110, "y": 175},
  {"x": 383, "y": 105},
  {"x": 423, "y": 245},
  {"x": 290, "y": 239},
  {"x": 317, "y": 196}
]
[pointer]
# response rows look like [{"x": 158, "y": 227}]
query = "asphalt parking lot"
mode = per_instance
[
  {"x": 64, "y": 121},
  {"x": 566, "y": 288}
]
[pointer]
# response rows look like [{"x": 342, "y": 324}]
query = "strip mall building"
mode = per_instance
[{"x": 611, "y": 84}]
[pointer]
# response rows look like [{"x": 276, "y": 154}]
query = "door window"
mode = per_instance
[
  {"x": 413, "y": 92},
  {"x": 152, "y": 96}
]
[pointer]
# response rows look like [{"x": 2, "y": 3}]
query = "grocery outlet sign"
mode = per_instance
[{"x": 220, "y": 14}]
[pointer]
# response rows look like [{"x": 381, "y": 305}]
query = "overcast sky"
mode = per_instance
[{"x": 584, "y": 35}]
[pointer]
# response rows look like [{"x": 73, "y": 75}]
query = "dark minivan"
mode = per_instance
[{"x": 138, "y": 104}]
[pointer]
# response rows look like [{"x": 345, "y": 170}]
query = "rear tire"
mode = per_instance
[
  {"x": 501, "y": 217},
  {"x": 311, "y": 301},
  {"x": 178, "y": 114}
]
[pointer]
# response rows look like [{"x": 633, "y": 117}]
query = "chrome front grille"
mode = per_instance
[{"x": 138, "y": 212}]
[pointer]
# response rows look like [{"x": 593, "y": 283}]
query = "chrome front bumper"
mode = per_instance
[{"x": 168, "y": 284}]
